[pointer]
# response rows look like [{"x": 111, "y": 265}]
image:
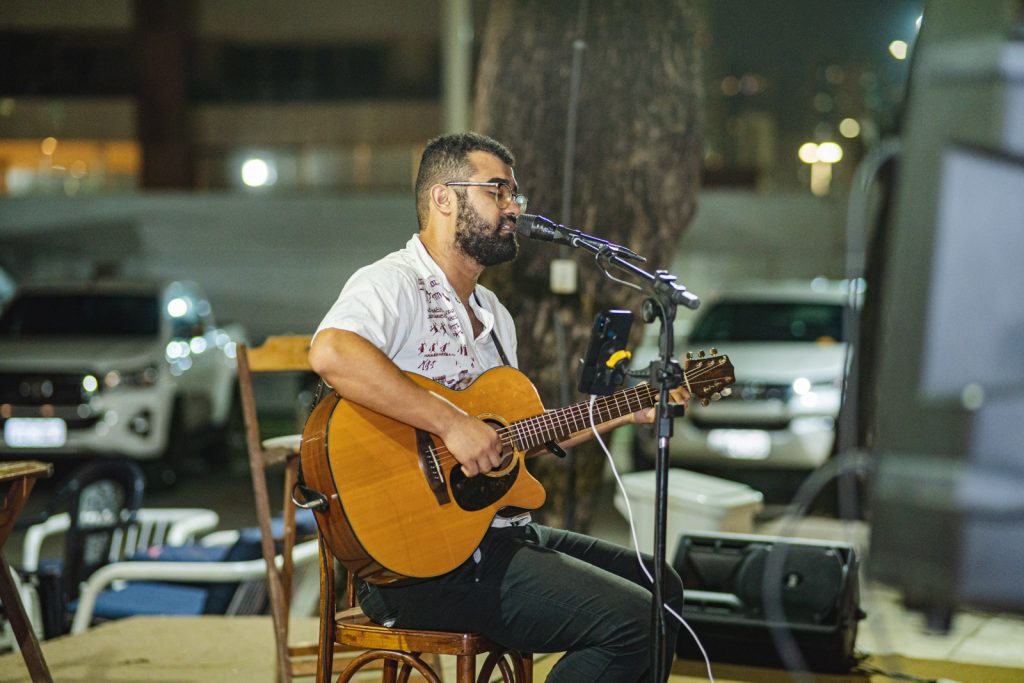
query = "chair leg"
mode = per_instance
[
  {"x": 465, "y": 668},
  {"x": 328, "y": 626}
]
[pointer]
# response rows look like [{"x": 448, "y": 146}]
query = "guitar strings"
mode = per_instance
[
  {"x": 575, "y": 414},
  {"x": 551, "y": 421},
  {"x": 556, "y": 422}
]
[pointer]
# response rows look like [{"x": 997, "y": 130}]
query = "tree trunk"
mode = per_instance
[{"x": 636, "y": 166}]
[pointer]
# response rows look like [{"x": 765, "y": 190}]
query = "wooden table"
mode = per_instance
[{"x": 19, "y": 477}]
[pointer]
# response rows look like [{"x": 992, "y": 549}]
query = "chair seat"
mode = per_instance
[
  {"x": 280, "y": 448},
  {"x": 371, "y": 636},
  {"x": 146, "y": 598},
  {"x": 290, "y": 442}
]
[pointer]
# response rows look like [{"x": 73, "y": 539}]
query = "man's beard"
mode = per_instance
[{"x": 482, "y": 242}]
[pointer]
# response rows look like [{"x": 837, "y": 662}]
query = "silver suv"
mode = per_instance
[
  {"x": 130, "y": 369},
  {"x": 787, "y": 342}
]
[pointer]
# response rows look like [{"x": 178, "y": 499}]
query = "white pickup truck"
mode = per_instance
[{"x": 114, "y": 368}]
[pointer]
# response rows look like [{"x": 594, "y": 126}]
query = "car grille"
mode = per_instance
[
  {"x": 41, "y": 388},
  {"x": 759, "y": 391},
  {"x": 770, "y": 425}
]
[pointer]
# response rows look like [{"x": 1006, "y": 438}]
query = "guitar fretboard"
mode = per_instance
[{"x": 558, "y": 425}]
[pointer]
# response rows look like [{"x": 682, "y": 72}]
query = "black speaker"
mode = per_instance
[{"x": 723, "y": 576}]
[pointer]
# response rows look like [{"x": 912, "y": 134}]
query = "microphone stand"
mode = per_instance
[{"x": 665, "y": 374}]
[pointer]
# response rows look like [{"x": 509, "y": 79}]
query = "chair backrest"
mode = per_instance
[
  {"x": 276, "y": 355},
  {"x": 102, "y": 499}
]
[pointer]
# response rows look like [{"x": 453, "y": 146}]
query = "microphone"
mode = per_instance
[
  {"x": 546, "y": 230},
  {"x": 540, "y": 228}
]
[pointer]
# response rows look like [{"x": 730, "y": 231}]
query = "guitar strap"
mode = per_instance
[
  {"x": 508, "y": 516},
  {"x": 494, "y": 337}
]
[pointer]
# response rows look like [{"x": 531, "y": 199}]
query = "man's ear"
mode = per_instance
[{"x": 442, "y": 199}]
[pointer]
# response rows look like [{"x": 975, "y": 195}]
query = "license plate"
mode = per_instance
[
  {"x": 741, "y": 444},
  {"x": 35, "y": 432}
]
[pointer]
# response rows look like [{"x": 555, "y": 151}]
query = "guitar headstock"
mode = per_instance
[{"x": 708, "y": 376}]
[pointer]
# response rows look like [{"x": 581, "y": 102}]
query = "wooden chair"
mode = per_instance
[
  {"x": 347, "y": 638},
  {"x": 415, "y": 650},
  {"x": 276, "y": 355}
]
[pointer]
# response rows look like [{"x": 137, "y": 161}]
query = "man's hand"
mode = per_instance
[
  {"x": 474, "y": 444},
  {"x": 679, "y": 395}
]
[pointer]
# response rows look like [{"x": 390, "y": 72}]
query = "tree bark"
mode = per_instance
[{"x": 636, "y": 167}]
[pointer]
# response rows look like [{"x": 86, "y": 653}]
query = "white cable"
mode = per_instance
[{"x": 636, "y": 544}]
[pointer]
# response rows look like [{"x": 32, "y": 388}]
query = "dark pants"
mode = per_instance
[{"x": 538, "y": 589}]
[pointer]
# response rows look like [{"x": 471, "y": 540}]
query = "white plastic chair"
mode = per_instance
[
  {"x": 155, "y": 526},
  {"x": 251, "y": 574}
]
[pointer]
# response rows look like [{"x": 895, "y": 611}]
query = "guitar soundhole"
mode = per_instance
[{"x": 481, "y": 491}]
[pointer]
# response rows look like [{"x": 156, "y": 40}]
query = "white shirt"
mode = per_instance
[{"x": 404, "y": 305}]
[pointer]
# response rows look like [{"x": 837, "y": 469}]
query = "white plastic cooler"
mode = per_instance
[{"x": 696, "y": 502}]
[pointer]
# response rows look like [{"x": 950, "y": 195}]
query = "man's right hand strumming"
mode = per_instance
[{"x": 473, "y": 443}]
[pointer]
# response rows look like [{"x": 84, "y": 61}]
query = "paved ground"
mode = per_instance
[{"x": 979, "y": 637}]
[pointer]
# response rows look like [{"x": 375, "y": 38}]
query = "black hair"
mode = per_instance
[{"x": 445, "y": 158}]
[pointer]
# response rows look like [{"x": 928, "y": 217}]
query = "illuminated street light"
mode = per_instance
[
  {"x": 808, "y": 153},
  {"x": 820, "y": 158},
  {"x": 830, "y": 153},
  {"x": 257, "y": 172},
  {"x": 849, "y": 128},
  {"x": 898, "y": 49}
]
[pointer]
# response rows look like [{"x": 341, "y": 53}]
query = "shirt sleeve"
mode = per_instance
[{"x": 376, "y": 303}]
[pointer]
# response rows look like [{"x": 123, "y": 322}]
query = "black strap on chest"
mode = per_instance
[{"x": 494, "y": 337}]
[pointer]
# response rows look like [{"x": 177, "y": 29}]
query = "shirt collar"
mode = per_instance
[{"x": 427, "y": 265}]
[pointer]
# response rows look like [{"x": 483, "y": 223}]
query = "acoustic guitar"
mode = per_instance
[{"x": 397, "y": 502}]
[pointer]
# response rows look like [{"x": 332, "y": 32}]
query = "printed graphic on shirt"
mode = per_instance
[{"x": 445, "y": 344}]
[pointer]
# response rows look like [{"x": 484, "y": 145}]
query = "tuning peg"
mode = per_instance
[
  {"x": 701, "y": 353},
  {"x": 714, "y": 351},
  {"x": 717, "y": 396},
  {"x": 705, "y": 402},
  {"x": 726, "y": 392},
  {"x": 689, "y": 355}
]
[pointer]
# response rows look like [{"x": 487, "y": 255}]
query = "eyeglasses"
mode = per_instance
[{"x": 503, "y": 196}]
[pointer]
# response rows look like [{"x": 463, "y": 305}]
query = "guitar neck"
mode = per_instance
[{"x": 559, "y": 425}]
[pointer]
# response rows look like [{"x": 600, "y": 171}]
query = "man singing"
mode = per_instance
[{"x": 420, "y": 309}]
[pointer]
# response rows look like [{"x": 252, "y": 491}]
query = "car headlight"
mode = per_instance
[
  {"x": 141, "y": 377},
  {"x": 802, "y": 386},
  {"x": 816, "y": 395}
]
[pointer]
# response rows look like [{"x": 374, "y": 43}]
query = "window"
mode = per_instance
[
  {"x": 81, "y": 315},
  {"x": 770, "y": 321}
]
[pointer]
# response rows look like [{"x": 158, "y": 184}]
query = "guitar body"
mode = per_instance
[{"x": 399, "y": 505}]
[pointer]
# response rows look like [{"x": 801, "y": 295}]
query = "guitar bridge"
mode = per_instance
[{"x": 431, "y": 468}]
